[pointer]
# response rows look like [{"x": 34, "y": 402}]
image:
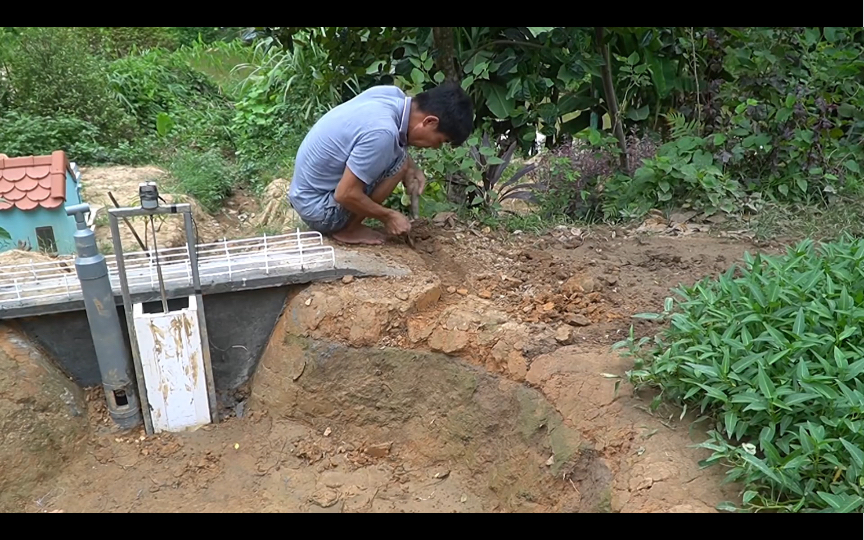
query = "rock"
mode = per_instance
[
  {"x": 335, "y": 509},
  {"x": 574, "y": 319},
  {"x": 347, "y": 279},
  {"x": 611, "y": 280},
  {"x": 402, "y": 295},
  {"x": 426, "y": 295},
  {"x": 448, "y": 341},
  {"x": 579, "y": 284},
  {"x": 419, "y": 329},
  {"x": 451, "y": 290},
  {"x": 379, "y": 451},
  {"x": 444, "y": 218},
  {"x": 517, "y": 366},
  {"x": 564, "y": 334},
  {"x": 485, "y": 294},
  {"x": 43, "y": 420},
  {"x": 325, "y": 498},
  {"x": 463, "y": 292}
]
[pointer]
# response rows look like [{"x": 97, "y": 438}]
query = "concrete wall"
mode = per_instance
[{"x": 239, "y": 324}]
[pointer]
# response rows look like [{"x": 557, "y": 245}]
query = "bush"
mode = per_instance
[
  {"x": 789, "y": 114},
  {"x": 23, "y": 134},
  {"x": 159, "y": 84},
  {"x": 774, "y": 353},
  {"x": 52, "y": 72},
  {"x": 207, "y": 177}
]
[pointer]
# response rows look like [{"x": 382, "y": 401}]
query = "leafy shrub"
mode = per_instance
[
  {"x": 23, "y": 134},
  {"x": 773, "y": 352},
  {"x": 789, "y": 112},
  {"x": 583, "y": 178},
  {"x": 157, "y": 84},
  {"x": 51, "y": 72},
  {"x": 207, "y": 177},
  {"x": 281, "y": 97}
]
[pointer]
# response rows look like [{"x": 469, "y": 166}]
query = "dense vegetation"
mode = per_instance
[{"x": 712, "y": 119}]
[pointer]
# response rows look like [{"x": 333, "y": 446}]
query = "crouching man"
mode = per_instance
[{"x": 355, "y": 155}]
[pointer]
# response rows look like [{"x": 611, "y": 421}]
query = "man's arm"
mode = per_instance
[{"x": 367, "y": 162}]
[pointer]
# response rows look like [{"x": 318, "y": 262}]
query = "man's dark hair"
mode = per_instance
[{"x": 454, "y": 110}]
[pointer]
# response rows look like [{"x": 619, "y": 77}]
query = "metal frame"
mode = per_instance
[{"x": 192, "y": 247}]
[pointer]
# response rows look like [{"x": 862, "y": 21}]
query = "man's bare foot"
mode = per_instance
[{"x": 359, "y": 235}]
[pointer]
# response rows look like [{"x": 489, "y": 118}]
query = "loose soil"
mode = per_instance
[{"x": 530, "y": 320}]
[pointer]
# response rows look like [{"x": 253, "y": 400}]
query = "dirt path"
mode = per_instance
[{"x": 541, "y": 312}]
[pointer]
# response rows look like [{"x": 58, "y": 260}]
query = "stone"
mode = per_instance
[
  {"x": 43, "y": 420},
  {"x": 448, "y": 341},
  {"x": 325, "y": 498},
  {"x": 337, "y": 508},
  {"x": 419, "y": 329},
  {"x": 347, "y": 279},
  {"x": 463, "y": 292},
  {"x": 402, "y": 295},
  {"x": 517, "y": 366},
  {"x": 379, "y": 451},
  {"x": 579, "y": 284},
  {"x": 451, "y": 290},
  {"x": 485, "y": 294},
  {"x": 564, "y": 334},
  {"x": 575, "y": 319},
  {"x": 426, "y": 295}
]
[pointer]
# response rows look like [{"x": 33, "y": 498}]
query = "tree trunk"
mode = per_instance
[
  {"x": 611, "y": 98},
  {"x": 445, "y": 44}
]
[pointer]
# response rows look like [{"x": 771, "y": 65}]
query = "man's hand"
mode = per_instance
[{"x": 397, "y": 224}]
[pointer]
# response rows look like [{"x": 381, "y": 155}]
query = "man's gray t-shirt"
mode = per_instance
[{"x": 368, "y": 134}]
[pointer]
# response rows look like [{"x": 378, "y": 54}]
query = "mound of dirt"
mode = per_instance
[
  {"x": 23, "y": 259},
  {"x": 43, "y": 420},
  {"x": 277, "y": 213},
  {"x": 123, "y": 182},
  {"x": 430, "y": 408}
]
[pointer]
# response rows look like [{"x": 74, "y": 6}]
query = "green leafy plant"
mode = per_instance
[
  {"x": 51, "y": 71},
  {"x": 476, "y": 174},
  {"x": 773, "y": 353},
  {"x": 789, "y": 113},
  {"x": 206, "y": 176}
]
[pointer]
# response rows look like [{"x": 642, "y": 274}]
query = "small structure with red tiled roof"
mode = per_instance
[{"x": 34, "y": 191}]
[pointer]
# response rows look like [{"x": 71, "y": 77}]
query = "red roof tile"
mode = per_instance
[{"x": 29, "y": 182}]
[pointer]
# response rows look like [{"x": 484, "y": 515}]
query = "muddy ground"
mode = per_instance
[{"x": 488, "y": 367}]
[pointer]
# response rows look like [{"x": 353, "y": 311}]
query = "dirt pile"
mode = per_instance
[
  {"x": 43, "y": 422},
  {"x": 430, "y": 408},
  {"x": 23, "y": 259},
  {"x": 277, "y": 214},
  {"x": 654, "y": 465},
  {"x": 123, "y": 182}
]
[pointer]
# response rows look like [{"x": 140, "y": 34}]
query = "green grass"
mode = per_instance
[{"x": 800, "y": 221}]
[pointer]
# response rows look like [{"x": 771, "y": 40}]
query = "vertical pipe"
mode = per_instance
[
  {"x": 111, "y": 353},
  {"x": 192, "y": 246},
  {"x": 130, "y": 323}
]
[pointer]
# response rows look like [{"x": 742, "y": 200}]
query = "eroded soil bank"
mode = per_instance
[{"x": 482, "y": 381}]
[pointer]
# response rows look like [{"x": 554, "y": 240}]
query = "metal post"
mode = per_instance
[
  {"x": 111, "y": 353},
  {"x": 130, "y": 323},
  {"x": 192, "y": 245}
]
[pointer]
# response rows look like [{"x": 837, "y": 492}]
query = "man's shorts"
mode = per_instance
[{"x": 336, "y": 217}]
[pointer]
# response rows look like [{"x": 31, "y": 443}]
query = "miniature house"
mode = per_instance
[{"x": 34, "y": 191}]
